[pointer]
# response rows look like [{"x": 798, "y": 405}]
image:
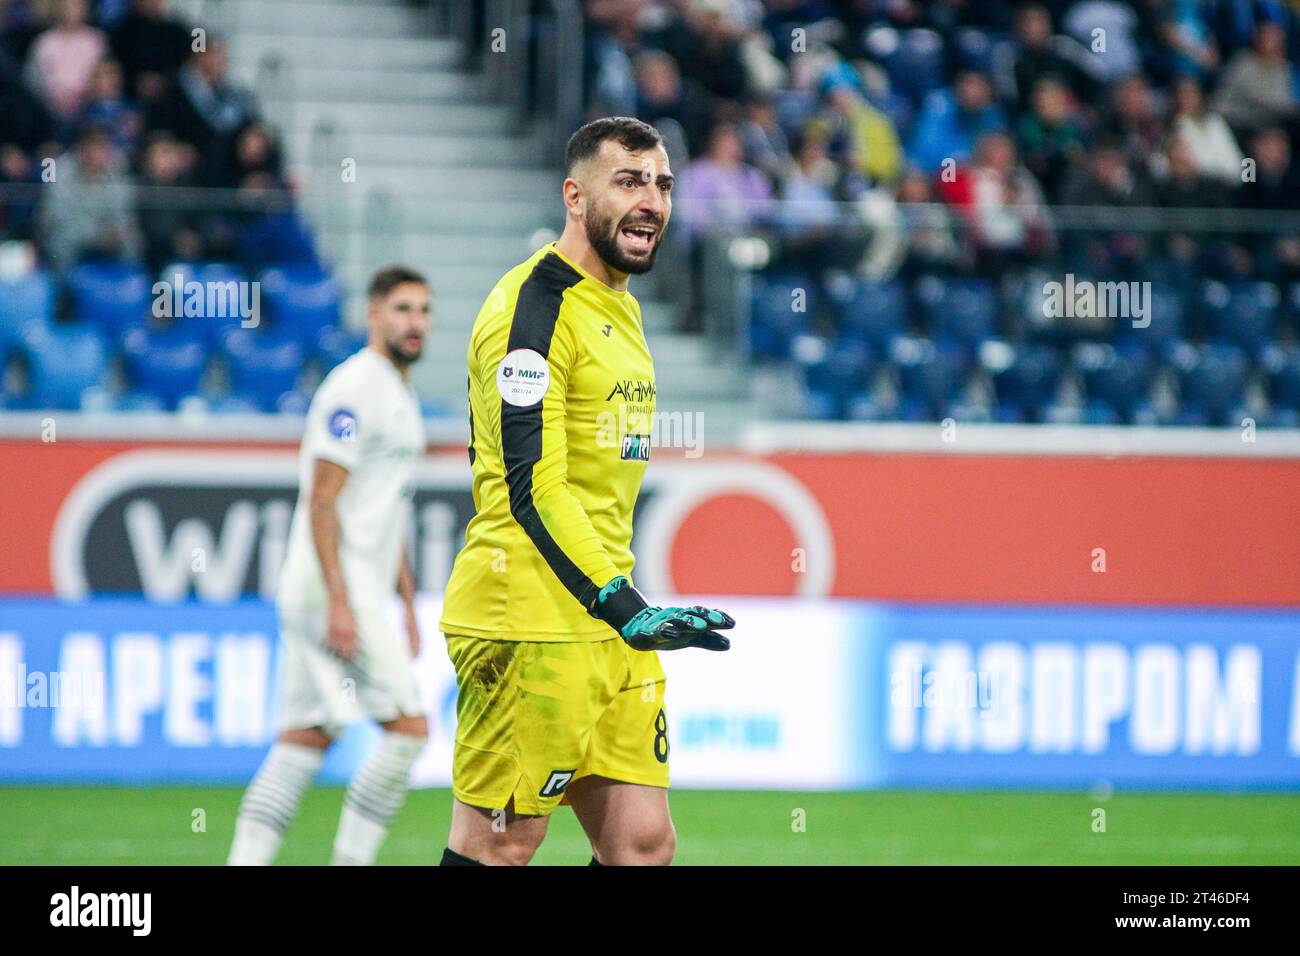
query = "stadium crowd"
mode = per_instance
[
  {"x": 935, "y": 163},
  {"x": 127, "y": 155}
]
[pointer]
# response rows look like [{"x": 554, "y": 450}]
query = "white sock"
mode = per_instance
[
  {"x": 374, "y": 796},
  {"x": 271, "y": 802}
]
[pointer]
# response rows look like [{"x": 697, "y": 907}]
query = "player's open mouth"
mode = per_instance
[{"x": 642, "y": 238}]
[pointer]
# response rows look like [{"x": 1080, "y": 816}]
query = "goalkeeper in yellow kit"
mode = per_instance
[{"x": 561, "y": 695}]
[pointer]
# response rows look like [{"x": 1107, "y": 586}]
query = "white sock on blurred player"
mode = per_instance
[
  {"x": 271, "y": 802},
  {"x": 374, "y": 796}
]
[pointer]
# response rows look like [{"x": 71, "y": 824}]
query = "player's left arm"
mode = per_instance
[{"x": 406, "y": 591}]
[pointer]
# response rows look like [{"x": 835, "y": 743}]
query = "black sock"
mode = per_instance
[
  {"x": 595, "y": 862},
  {"x": 451, "y": 858}
]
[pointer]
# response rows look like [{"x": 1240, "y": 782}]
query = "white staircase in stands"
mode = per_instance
[{"x": 444, "y": 181}]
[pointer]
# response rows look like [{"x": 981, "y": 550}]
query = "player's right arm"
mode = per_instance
[{"x": 328, "y": 478}]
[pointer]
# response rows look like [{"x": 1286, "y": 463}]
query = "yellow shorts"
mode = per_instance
[{"x": 533, "y": 716}]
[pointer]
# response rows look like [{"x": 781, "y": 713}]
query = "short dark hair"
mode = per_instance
[
  {"x": 632, "y": 134},
  {"x": 389, "y": 278}
]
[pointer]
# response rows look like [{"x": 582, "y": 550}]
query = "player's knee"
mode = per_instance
[
  {"x": 307, "y": 737},
  {"x": 646, "y": 846},
  {"x": 508, "y": 849},
  {"x": 411, "y": 726}
]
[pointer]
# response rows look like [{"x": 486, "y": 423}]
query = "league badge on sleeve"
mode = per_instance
[
  {"x": 343, "y": 425},
  {"x": 523, "y": 377}
]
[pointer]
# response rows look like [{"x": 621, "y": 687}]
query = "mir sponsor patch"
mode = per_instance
[{"x": 636, "y": 448}]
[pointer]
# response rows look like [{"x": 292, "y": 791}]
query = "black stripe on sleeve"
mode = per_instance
[{"x": 536, "y": 312}]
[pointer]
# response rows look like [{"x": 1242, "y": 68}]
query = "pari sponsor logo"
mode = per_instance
[
  {"x": 191, "y": 299},
  {"x": 75, "y": 908},
  {"x": 635, "y": 429},
  {"x": 1085, "y": 299},
  {"x": 1149, "y": 699}
]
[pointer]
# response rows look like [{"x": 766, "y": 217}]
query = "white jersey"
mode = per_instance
[{"x": 365, "y": 417}]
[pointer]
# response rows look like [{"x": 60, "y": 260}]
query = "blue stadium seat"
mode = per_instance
[
  {"x": 1119, "y": 378},
  {"x": 1242, "y": 312},
  {"x": 263, "y": 366},
  {"x": 843, "y": 371},
  {"x": 1028, "y": 381},
  {"x": 1281, "y": 365},
  {"x": 111, "y": 295},
  {"x": 30, "y": 298},
  {"x": 966, "y": 309},
  {"x": 774, "y": 321},
  {"x": 335, "y": 343},
  {"x": 301, "y": 300},
  {"x": 221, "y": 306},
  {"x": 1211, "y": 379},
  {"x": 913, "y": 59},
  {"x": 1291, "y": 307},
  {"x": 875, "y": 310},
  {"x": 66, "y": 360},
  {"x": 931, "y": 374},
  {"x": 977, "y": 49},
  {"x": 167, "y": 364},
  {"x": 1168, "y": 318}
]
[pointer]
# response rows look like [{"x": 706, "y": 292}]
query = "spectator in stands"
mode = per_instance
[
  {"x": 1108, "y": 30},
  {"x": 268, "y": 232},
  {"x": 1136, "y": 122},
  {"x": 1276, "y": 186},
  {"x": 106, "y": 106},
  {"x": 766, "y": 145},
  {"x": 1276, "y": 183},
  {"x": 89, "y": 210},
  {"x": 1051, "y": 135},
  {"x": 662, "y": 94},
  {"x": 1003, "y": 205},
  {"x": 811, "y": 219},
  {"x": 931, "y": 246},
  {"x": 718, "y": 192},
  {"x": 1040, "y": 53},
  {"x": 24, "y": 120},
  {"x": 151, "y": 47},
  {"x": 706, "y": 42},
  {"x": 869, "y": 142},
  {"x": 63, "y": 60},
  {"x": 205, "y": 110},
  {"x": 1107, "y": 180},
  {"x": 1258, "y": 88},
  {"x": 1186, "y": 186},
  {"x": 170, "y": 230},
  {"x": 1186, "y": 35},
  {"x": 952, "y": 120},
  {"x": 1212, "y": 147}
]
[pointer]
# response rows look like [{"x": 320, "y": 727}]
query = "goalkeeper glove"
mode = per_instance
[{"x": 659, "y": 628}]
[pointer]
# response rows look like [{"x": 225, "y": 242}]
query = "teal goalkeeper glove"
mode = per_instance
[{"x": 647, "y": 628}]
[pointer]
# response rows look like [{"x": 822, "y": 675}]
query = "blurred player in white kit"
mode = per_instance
[{"x": 342, "y": 658}]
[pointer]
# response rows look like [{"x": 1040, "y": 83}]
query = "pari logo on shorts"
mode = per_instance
[
  {"x": 557, "y": 783},
  {"x": 523, "y": 377},
  {"x": 343, "y": 424}
]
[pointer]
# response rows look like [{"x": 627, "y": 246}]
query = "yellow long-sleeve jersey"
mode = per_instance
[{"x": 562, "y": 399}]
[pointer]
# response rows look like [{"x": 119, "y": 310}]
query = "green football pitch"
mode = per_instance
[{"x": 193, "y": 825}]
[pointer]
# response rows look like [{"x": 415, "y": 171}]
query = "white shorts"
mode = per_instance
[{"x": 318, "y": 689}]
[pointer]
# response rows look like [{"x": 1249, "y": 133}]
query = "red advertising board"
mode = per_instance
[{"x": 84, "y": 517}]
